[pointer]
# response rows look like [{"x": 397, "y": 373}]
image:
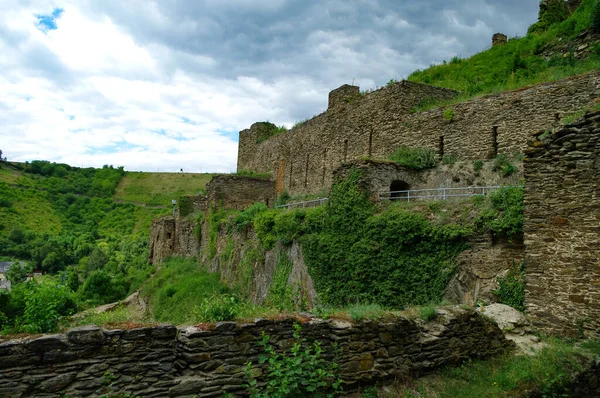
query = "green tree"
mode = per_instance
[{"x": 17, "y": 273}]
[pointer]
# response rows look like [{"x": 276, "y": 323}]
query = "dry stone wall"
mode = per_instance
[
  {"x": 163, "y": 361},
  {"x": 375, "y": 124},
  {"x": 234, "y": 192},
  {"x": 562, "y": 228}
]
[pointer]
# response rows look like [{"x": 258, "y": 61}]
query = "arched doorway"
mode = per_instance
[{"x": 397, "y": 188}]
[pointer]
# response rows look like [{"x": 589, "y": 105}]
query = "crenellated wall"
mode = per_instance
[
  {"x": 163, "y": 361},
  {"x": 562, "y": 228},
  {"x": 375, "y": 124}
]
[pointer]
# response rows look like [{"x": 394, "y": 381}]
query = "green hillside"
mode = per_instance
[
  {"x": 548, "y": 52},
  {"x": 86, "y": 229},
  {"x": 159, "y": 188}
]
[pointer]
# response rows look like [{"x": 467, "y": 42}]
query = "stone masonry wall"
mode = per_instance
[
  {"x": 562, "y": 228},
  {"x": 375, "y": 124},
  {"x": 238, "y": 192},
  {"x": 163, "y": 361},
  {"x": 171, "y": 236}
]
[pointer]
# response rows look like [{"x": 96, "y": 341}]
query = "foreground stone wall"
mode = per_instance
[
  {"x": 375, "y": 124},
  {"x": 562, "y": 228},
  {"x": 164, "y": 361}
]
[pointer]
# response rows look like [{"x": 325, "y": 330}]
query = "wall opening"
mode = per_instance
[
  {"x": 291, "y": 173},
  {"x": 306, "y": 172},
  {"x": 324, "y": 166},
  {"x": 168, "y": 235},
  {"x": 345, "y": 150},
  {"x": 399, "y": 185},
  {"x": 557, "y": 117},
  {"x": 370, "y": 144},
  {"x": 494, "y": 151},
  {"x": 441, "y": 146}
]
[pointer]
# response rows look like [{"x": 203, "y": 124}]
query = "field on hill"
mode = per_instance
[{"x": 158, "y": 189}]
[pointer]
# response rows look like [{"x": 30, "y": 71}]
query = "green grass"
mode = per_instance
[
  {"x": 158, "y": 189},
  {"x": 547, "y": 374},
  {"x": 179, "y": 288},
  {"x": 31, "y": 210},
  {"x": 515, "y": 65}
]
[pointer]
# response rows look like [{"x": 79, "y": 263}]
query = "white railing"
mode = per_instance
[
  {"x": 305, "y": 204},
  {"x": 436, "y": 193}
]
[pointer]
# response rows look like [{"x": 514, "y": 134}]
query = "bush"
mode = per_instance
[
  {"x": 359, "y": 312},
  {"x": 477, "y": 166},
  {"x": 595, "y": 13},
  {"x": 301, "y": 372},
  {"x": 245, "y": 218},
  {"x": 449, "y": 159},
  {"x": 428, "y": 312},
  {"x": 415, "y": 158},
  {"x": 511, "y": 288},
  {"x": 502, "y": 164},
  {"x": 45, "y": 303},
  {"x": 505, "y": 216},
  {"x": 218, "y": 308},
  {"x": 101, "y": 288},
  {"x": 449, "y": 114}
]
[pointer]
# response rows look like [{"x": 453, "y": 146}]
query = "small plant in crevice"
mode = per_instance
[
  {"x": 300, "y": 372},
  {"x": 477, "y": 166},
  {"x": 449, "y": 159},
  {"x": 283, "y": 199},
  {"x": 449, "y": 115},
  {"x": 503, "y": 165},
  {"x": 511, "y": 288}
]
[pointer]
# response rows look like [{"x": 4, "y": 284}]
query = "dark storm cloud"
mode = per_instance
[{"x": 326, "y": 40}]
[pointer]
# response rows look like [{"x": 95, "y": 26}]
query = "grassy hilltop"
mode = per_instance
[{"x": 550, "y": 51}]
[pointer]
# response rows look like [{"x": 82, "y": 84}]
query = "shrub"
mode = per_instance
[
  {"x": 477, "y": 166},
  {"x": 502, "y": 164},
  {"x": 415, "y": 158},
  {"x": 511, "y": 288},
  {"x": 595, "y": 13},
  {"x": 506, "y": 214},
  {"x": 449, "y": 159},
  {"x": 268, "y": 130},
  {"x": 45, "y": 303},
  {"x": 245, "y": 218},
  {"x": 283, "y": 199},
  {"x": 301, "y": 372},
  {"x": 100, "y": 288},
  {"x": 218, "y": 308},
  {"x": 186, "y": 206},
  {"x": 428, "y": 312}
]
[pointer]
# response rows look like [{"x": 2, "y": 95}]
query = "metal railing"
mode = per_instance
[
  {"x": 436, "y": 193},
  {"x": 305, "y": 204}
]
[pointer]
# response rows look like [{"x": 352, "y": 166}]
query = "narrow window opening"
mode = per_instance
[
  {"x": 168, "y": 235},
  {"x": 345, "y": 150},
  {"x": 441, "y": 146},
  {"x": 370, "y": 144},
  {"x": 494, "y": 151},
  {"x": 267, "y": 202},
  {"x": 291, "y": 173},
  {"x": 557, "y": 117},
  {"x": 324, "y": 166},
  {"x": 306, "y": 172}
]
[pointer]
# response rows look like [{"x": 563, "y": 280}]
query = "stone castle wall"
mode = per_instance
[
  {"x": 232, "y": 192},
  {"x": 303, "y": 159},
  {"x": 562, "y": 228},
  {"x": 163, "y": 361}
]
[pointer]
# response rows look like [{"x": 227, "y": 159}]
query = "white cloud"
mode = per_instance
[{"x": 167, "y": 84}]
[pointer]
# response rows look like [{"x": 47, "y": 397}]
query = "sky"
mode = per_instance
[{"x": 167, "y": 85}]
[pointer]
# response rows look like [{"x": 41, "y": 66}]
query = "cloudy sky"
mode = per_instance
[{"x": 167, "y": 84}]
